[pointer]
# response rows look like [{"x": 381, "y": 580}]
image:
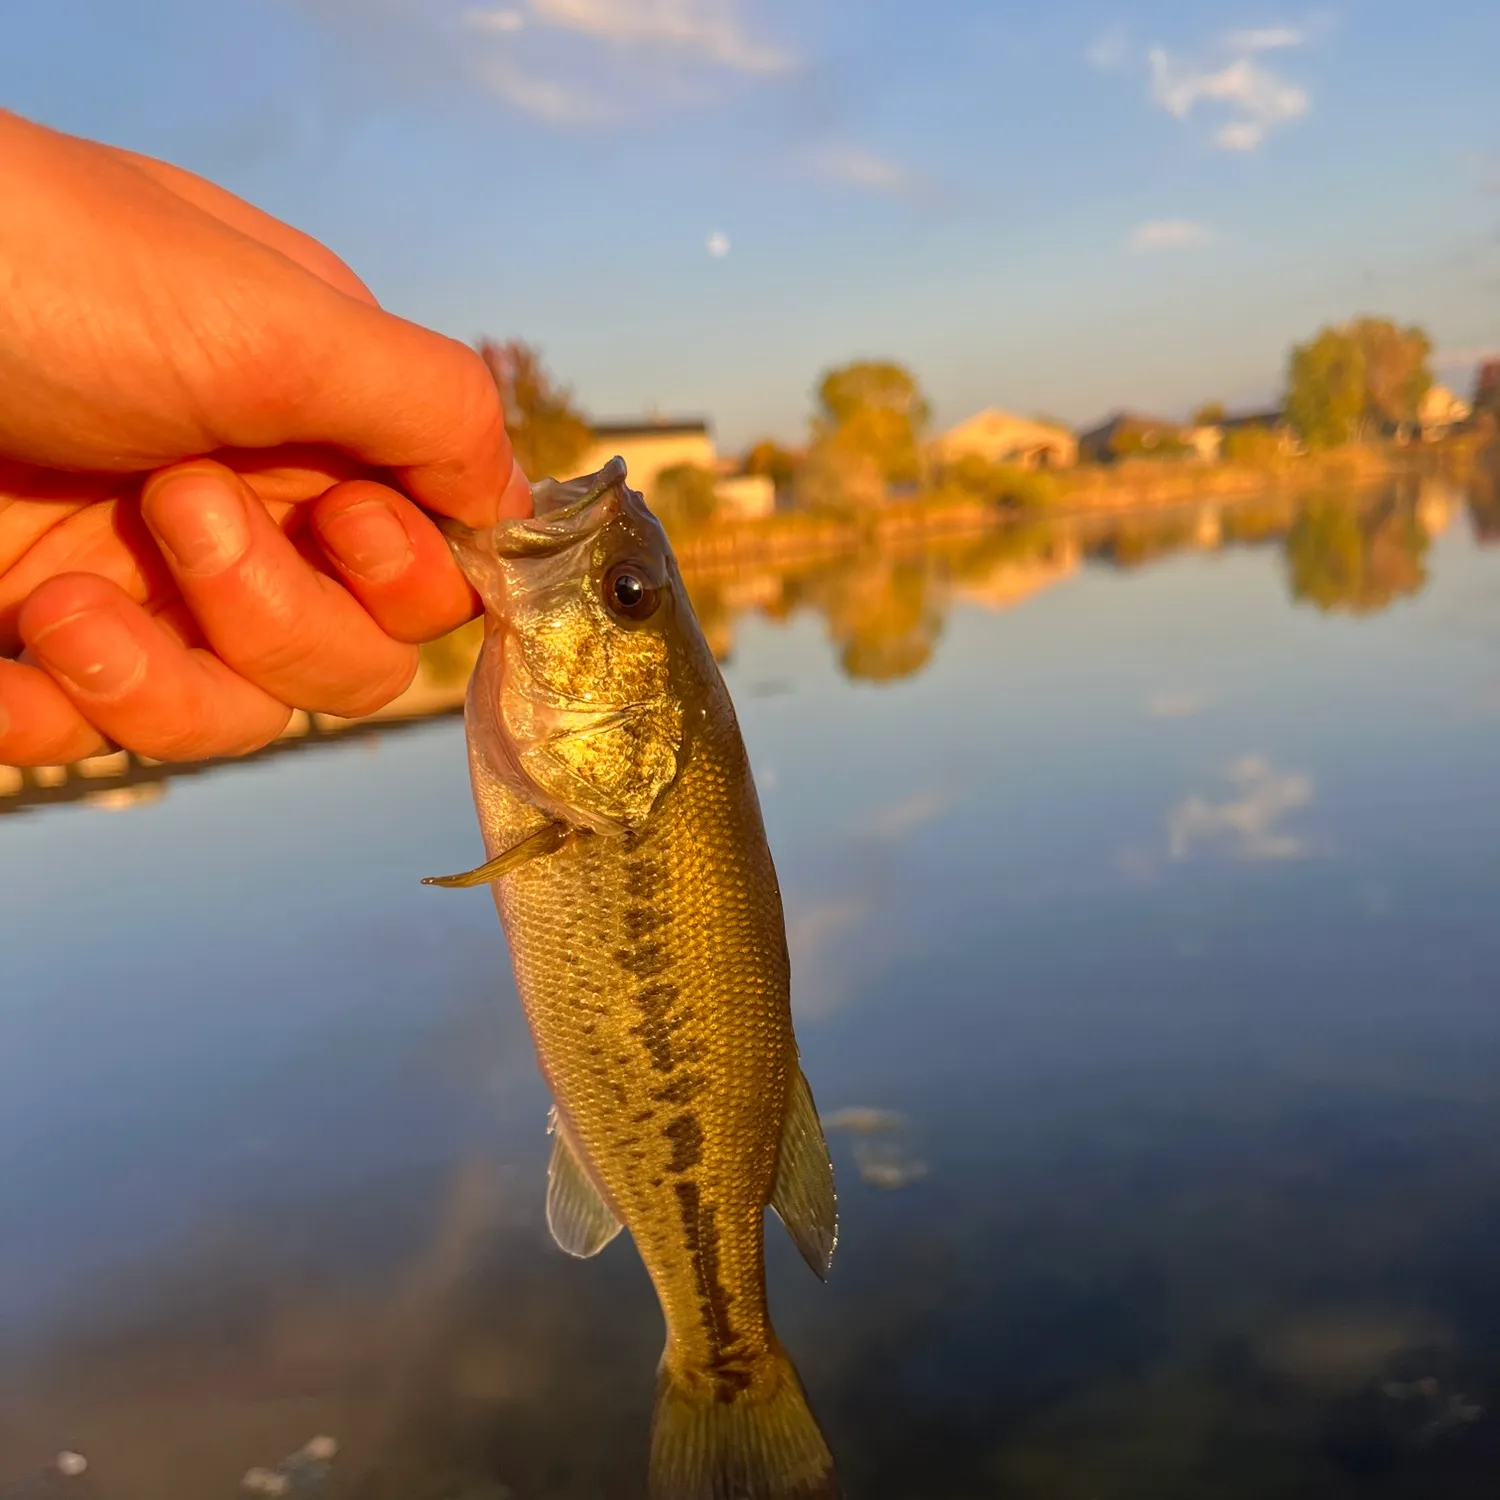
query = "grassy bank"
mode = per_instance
[{"x": 1134, "y": 485}]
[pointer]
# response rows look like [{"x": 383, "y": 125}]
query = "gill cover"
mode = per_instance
[{"x": 582, "y": 719}]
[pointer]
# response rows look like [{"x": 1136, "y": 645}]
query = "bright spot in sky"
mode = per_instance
[{"x": 718, "y": 244}]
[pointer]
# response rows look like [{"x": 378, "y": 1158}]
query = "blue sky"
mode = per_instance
[{"x": 1064, "y": 208}]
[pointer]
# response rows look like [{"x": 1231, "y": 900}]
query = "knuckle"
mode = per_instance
[
  {"x": 210, "y": 732},
  {"x": 373, "y": 694}
]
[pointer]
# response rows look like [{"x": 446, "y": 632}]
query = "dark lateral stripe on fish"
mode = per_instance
[{"x": 701, "y": 1235}]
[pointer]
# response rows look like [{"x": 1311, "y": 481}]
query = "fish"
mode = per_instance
[{"x": 630, "y": 867}]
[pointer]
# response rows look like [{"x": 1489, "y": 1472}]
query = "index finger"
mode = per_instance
[{"x": 415, "y": 402}]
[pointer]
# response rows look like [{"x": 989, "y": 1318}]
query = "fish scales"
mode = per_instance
[
  {"x": 630, "y": 868},
  {"x": 654, "y": 975}
]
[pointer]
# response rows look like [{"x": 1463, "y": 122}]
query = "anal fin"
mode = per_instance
[
  {"x": 803, "y": 1194},
  {"x": 581, "y": 1221}
]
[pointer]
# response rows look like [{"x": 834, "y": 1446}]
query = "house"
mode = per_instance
[
  {"x": 1206, "y": 440},
  {"x": 1272, "y": 420},
  {"x": 1129, "y": 434},
  {"x": 650, "y": 446},
  {"x": 1487, "y": 387},
  {"x": 1000, "y": 438},
  {"x": 746, "y": 497},
  {"x": 1439, "y": 412}
]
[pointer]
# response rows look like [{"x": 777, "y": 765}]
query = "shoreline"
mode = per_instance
[{"x": 1118, "y": 491}]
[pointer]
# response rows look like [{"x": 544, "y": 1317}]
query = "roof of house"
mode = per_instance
[
  {"x": 992, "y": 417},
  {"x": 1119, "y": 419},
  {"x": 650, "y": 427},
  {"x": 1272, "y": 418}
]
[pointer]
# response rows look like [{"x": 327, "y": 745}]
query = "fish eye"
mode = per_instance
[{"x": 630, "y": 591}]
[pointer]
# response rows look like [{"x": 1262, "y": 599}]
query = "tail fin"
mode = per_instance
[{"x": 761, "y": 1443}]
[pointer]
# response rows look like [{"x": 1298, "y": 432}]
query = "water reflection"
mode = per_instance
[
  {"x": 884, "y": 607},
  {"x": 884, "y": 613},
  {"x": 1145, "y": 954}
]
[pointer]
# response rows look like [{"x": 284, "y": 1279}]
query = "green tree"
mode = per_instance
[
  {"x": 1210, "y": 414},
  {"x": 875, "y": 408},
  {"x": 684, "y": 497},
  {"x": 1343, "y": 560},
  {"x": 1357, "y": 380},
  {"x": 1004, "y": 484},
  {"x": 776, "y": 463},
  {"x": 1397, "y": 369},
  {"x": 885, "y": 616},
  {"x": 1255, "y": 446},
  {"x": 547, "y": 431},
  {"x": 1325, "y": 399},
  {"x": 840, "y": 479}
]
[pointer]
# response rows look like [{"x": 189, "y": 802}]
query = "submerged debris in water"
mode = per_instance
[
  {"x": 304, "y": 1472},
  {"x": 883, "y": 1152}
]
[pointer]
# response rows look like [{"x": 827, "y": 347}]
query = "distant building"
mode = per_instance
[
  {"x": 1487, "y": 386},
  {"x": 1128, "y": 434},
  {"x": 746, "y": 496},
  {"x": 1206, "y": 440},
  {"x": 1000, "y": 438},
  {"x": 1439, "y": 412},
  {"x": 650, "y": 446},
  {"x": 1271, "y": 419}
]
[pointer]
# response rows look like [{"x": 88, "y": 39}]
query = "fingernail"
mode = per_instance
[
  {"x": 92, "y": 652},
  {"x": 200, "y": 520},
  {"x": 515, "y": 500},
  {"x": 369, "y": 541}
]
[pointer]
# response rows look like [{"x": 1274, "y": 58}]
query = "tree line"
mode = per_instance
[{"x": 1358, "y": 381}]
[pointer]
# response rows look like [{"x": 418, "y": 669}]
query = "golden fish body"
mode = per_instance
[{"x": 630, "y": 868}]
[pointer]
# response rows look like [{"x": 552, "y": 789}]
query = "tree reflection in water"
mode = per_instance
[{"x": 885, "y": 606}]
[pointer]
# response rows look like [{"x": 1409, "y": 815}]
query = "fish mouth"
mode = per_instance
[
  {"x": 563, "y": 514},
  {"x": 553, "y": 500}
]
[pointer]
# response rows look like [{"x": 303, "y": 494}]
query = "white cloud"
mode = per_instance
[
  {"x": 568, "y": 63},
  {"x": 899, "y": 820},
  {"x": 1256, "y": 99},
  {"x": 708, "y": 29},
  {"x": 1110, "y": 50},
  {"x": 1257, "y": 95},
  {"x": 883, "y": 1149},
  {"x": 855, "y": 167},
  {"x": 495, "y": 20},
  {"x": 820, "y": 983},
  {"x": 1246, "y": 823},
  {"x": 546, "y": 99},
  {"x": 1266, "y": 38},
  {"x": 1239, "y": 135},
  {"x": 1169, "y": 234},
  {"x": 809, "y": 930}
]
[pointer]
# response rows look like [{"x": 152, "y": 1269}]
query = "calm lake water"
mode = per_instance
[{"x": 1143, "y": 889}]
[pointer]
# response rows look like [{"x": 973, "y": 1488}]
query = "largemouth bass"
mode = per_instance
[{"x": 630, "y": 868}]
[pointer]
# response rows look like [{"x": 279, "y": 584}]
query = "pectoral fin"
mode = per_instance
[
  {"x": 548, "y": 839},
  {"x": 581, "y": 1221},
  {"x": 803, "y": 1194}
]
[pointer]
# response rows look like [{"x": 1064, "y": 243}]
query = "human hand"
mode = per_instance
[{"x": 181, "y": 609}]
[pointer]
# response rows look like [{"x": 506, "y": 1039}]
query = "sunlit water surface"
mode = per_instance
[{"x": 1146, "y": 940}]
